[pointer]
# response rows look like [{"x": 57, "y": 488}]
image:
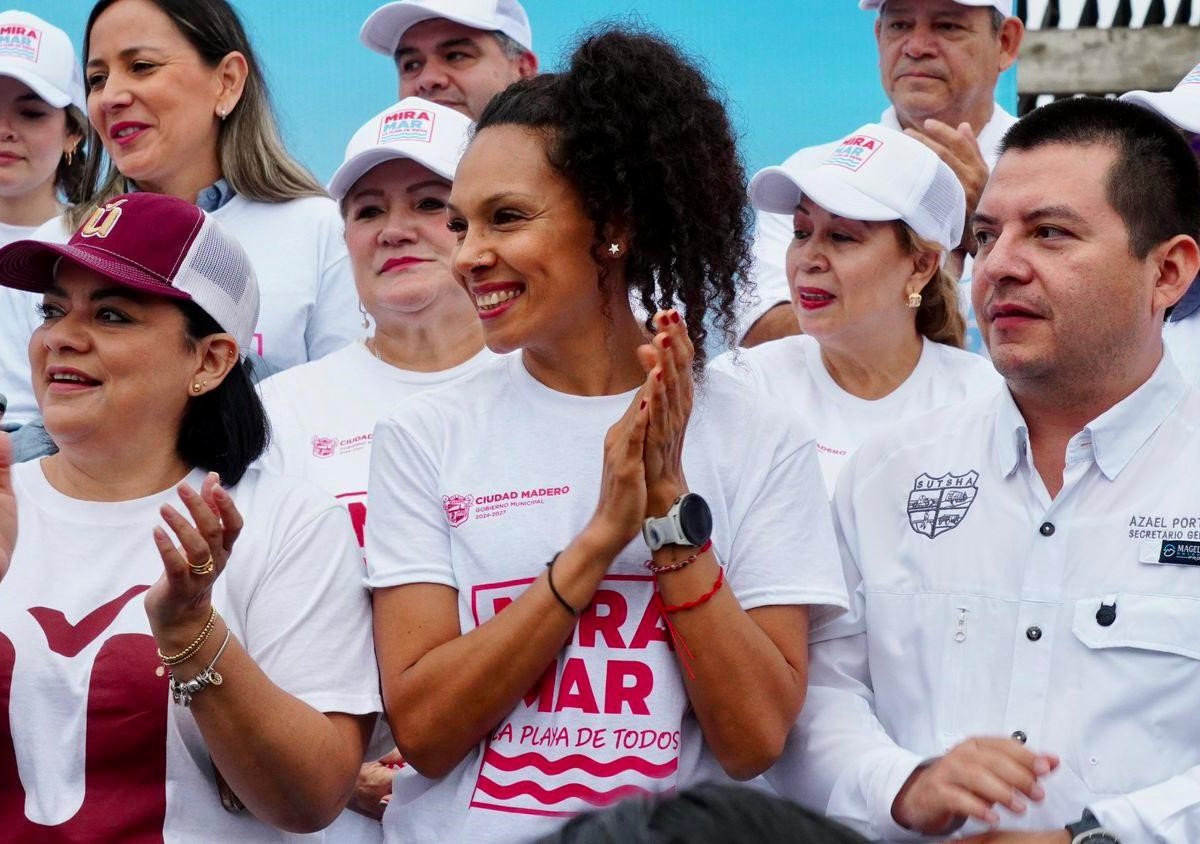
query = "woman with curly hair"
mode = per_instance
[
  {"x": 875, "y": 218},
  {"x": 583, "y": 560}
]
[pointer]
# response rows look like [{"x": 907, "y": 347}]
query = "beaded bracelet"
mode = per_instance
[
  {"x": 681, "y": 564},
  {"x": 550, "y": 581},
  {"x": 690, "y": 605},
  {"x": 192, "y": 649},
  {"x": 182, "y": 693}
]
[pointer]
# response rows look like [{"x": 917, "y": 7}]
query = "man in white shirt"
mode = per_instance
[
  {"x": 1026, "y": 569},
  {"x": 938, "y": 62},
  {"x": 457, "y": 53}
]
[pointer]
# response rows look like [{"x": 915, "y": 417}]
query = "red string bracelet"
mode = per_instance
[
  {"x": 681, "y": 564},
  {"x": 690, "y": 605}
]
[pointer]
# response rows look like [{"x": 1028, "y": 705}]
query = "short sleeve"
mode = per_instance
[
  {"x": 407, "y": 537},
  {"x": 308, "y": 620}
]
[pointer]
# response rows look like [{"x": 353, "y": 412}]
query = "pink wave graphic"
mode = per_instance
[
  {"x": 547, "y": 797},
  {"x": 577, "y": 762}
]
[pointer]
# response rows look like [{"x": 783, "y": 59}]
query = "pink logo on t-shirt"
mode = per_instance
[
  {"x": 458, "y": 508},
  {"x": 324, "y": 446}
]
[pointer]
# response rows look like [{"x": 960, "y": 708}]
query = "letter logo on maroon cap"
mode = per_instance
[{"x": 101, "y": 223}]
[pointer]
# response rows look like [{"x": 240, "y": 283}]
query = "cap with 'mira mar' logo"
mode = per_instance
[
  {"x": 873, "y": 174},
  {"x": 432, "y": 135},
  {"x": 154, "y": 244}
]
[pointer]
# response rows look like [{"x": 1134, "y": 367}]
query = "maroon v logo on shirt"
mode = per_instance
[{"x": 69, "y": 639}]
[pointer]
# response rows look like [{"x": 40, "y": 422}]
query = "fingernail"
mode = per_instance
[
  {"x": 675, "y": 317},
  {"x": 1041, "y": 766},
  {"x": 1018, "y": 805},
  {"x": 991, "y": 818},
  {"x": 1037, "y": 792},
  {"x": 666, "y": 343},
  {"x": 215, "y": 477}
]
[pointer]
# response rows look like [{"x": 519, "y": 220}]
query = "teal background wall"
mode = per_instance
[{"x": 795, "y": 72}]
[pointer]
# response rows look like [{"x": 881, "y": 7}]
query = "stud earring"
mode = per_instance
[
  {"x": 614, "y": 249},
  {"x": 221, "y": 113},
  {"x": 914, "y": 300},
  {"x": 196, "y": 388}
]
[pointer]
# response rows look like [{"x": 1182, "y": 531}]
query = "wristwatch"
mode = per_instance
[
  {"x": 688, "y": 522},
  {"x": 1088, "y": 830}
]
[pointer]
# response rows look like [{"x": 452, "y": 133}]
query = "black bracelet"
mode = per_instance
[{"x": 550, "y": 581}]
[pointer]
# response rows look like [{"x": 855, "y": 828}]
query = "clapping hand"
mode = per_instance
[{"x": 667, "y": 360}]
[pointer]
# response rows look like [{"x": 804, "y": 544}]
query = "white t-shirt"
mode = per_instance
[
  {"x": 477, "y": 486},
  {"x": 773, "y": 233},
  {"x": 308, "y": 303},
  {"x": 793, "y": 374},
  {"x": 100, "y": 750},
  {"x": 323, "y": 416},
  {"x": 18, "y": 319}
]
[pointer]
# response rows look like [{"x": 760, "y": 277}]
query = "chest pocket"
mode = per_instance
[{"x": 1136, "y": 688}]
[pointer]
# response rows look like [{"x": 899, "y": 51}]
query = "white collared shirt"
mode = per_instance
[
  {"x": 773, "y": 232},
  {"x": 980, "y": 599}
]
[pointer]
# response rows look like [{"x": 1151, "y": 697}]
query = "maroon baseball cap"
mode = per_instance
[{"x": 156, "y": 244}]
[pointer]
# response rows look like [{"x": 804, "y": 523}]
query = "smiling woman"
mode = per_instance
[
  {"x": 251, "y": 615},
  {"x": 179, "y": 106}
]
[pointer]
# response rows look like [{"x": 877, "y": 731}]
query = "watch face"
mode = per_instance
[{"x": 695, "y": 518}]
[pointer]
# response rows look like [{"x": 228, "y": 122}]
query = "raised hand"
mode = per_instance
[
  {"x": 668, "y": 364},
  {"x": 970, "y": 781},
  {"x": 179, "y": 603},
  {"x": 8, "y": 506},
  {"x": 622, "y": 504}
]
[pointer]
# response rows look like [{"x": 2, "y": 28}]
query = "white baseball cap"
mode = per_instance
[
  {"x": 1180, "y": 105},
  {"x": 1004, "y": 7},
  {"x": 41, "y": 56},
  {"x": 432, "y": 135},
  {"x": 875, "y": 173},
  {"x": 385, "y": 27}
]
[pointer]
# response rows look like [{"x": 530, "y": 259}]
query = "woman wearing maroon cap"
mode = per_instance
[{"x": 249, "y": 613}]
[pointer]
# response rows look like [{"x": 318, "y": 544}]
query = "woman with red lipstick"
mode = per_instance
[
  {"x": 42, "y": 124},
  {"x": 179, "y": 106},
  {"x": 874, "y": 222},
  {"x": 185, "y": 648},
  {"x": 393, "y": 186},
  {"x": 582, "y": 559}
]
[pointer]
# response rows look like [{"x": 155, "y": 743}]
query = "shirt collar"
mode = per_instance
[
  {"x": 1114, "y": 436},
  {"x": 215, "y": 196},
  {"x": 1188, "y": 305}
]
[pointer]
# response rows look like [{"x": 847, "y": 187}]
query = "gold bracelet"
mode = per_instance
[{"x": 192, "y": 649}]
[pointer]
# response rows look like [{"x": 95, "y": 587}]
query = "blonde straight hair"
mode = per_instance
[
  {"x": 938, "y": 317},
  {"x": 252, "y": 156}
]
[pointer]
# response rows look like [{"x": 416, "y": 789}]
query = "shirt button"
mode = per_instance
[
  {"x": 1019, "y": 736},
  {"x": 1033, "y": 633},
  {"x": 1047, "y": 529}
]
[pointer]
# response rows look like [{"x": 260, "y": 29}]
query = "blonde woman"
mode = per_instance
[{"x": 874, "y": 223}]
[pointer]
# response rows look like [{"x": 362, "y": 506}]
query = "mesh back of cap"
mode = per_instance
[
  {"x": 218, "y": 275},
  {"x": 226, "y": 268},
  {"x": 943, "y": 205}
]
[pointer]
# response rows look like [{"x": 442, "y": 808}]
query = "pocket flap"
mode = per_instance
[{"x": 1169, "y": 624}]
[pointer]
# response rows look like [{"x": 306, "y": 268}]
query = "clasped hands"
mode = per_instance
[{"x": 643, "y": 450}]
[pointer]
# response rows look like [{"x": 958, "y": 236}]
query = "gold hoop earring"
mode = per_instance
[{"x": 914, "y": 300}]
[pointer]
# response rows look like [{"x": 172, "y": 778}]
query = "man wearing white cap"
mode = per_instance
[
  {"x": 456, "y": 53},
  {"x": 938, "y": 61},
  {"x": 1181, "y": 331},
  {"x": 1020, "y": 652}
]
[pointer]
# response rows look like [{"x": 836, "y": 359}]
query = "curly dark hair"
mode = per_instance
[{"x": 637, "y": 128}]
